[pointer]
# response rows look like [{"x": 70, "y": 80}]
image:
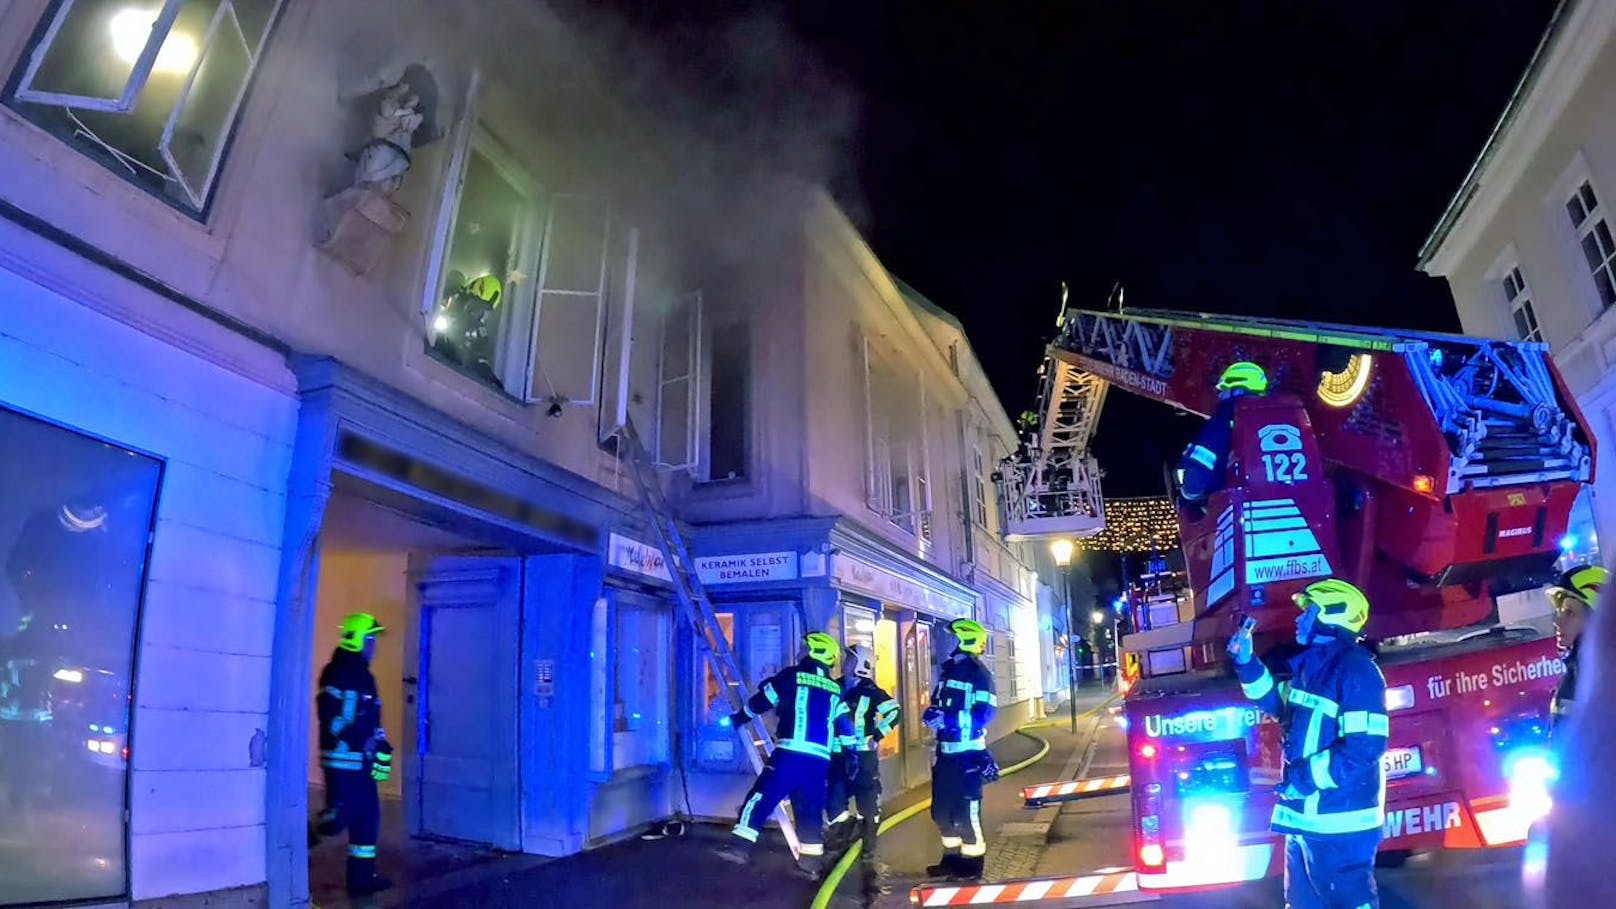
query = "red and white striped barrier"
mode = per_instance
[
  {"x": 1037, "y": 796},
  {"x": 1105, "y": 887}
]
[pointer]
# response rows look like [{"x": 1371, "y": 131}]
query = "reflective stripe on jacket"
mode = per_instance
[
  {"x": 874, "y": 714},
  {"x": 1333, "y": 712},
  {"x": 964, "y": 694},
  {"x": 811, "y": 716}
]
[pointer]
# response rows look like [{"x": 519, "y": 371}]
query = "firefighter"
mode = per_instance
[
  {"x": 1333, "y": 715},
  {"x": 354, "y": 752},
  {"x": 856, "y": 771},
  {"x": 1201, "y": 468},
  {"x": 1573, "y": 595},
  {"x": 812, "y": 722},
  {"x": 962, "y": 705}
]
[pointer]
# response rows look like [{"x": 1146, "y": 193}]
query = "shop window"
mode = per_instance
[
  {"x": 886, "y": 676},
  {"x": 75, "y": 515},
  {"x": 640, "y": 732},
  {"x": 759, "y": 636},
  {"x": 518, "y": 290},
  {"x": 150, "y": 90}
]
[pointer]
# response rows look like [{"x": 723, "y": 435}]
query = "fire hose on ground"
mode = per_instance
[{"x": 833, "y": 880}]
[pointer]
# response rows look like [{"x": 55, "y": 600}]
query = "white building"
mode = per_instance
[
  {"x": 1527, "y": 243},
  {"x": 237, "y": 402}
]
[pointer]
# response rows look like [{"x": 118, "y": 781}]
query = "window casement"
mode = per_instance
[
  {"x": 1588, "y": 218},
  {"x": 1519, "y": 300},
  {"x": 151, "y": 91},
  {"x": 517, "y": 289},
  {"x": 898, "y": 475}
]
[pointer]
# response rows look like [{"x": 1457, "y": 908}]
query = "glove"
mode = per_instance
[
  {"x": 990, "y": 767},
  {"x": 737, "y": 720},
  {"x": 1240, "y": 647},
  {"x": 381, "y": 763},
  {"x": 933, "y": 718}
]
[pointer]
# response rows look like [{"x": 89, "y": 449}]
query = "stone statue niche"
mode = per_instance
[{"x": 357, "y": 223}]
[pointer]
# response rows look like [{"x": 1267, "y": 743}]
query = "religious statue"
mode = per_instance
[{"x": 385, "y": 159}]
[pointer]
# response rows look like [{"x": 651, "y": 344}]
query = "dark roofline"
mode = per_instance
[{"x": 1467, "y": 189}]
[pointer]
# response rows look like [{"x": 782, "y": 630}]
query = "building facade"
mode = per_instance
[
  {"x": 315, "y": 308},
  {"x": 1526, "y": 244}
]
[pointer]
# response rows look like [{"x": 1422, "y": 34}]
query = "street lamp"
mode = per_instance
[
  {"x": 1061, "y": 548},
  {"x": 1097, "y": 616}
]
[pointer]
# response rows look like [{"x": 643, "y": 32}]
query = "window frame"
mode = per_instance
[
  {"x": 1593, "y": 218},
  {"x": 1520, "y": 302},
  {"x": 883, "y": 449},
  {"x": 20, "y": 92},
  {"x": 530, "y": 244},
  {"x": 740, "y": 321}
]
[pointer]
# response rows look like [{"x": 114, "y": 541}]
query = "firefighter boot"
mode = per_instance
[
  {"x": 363, "y": 879},
  {"x": 970, "y": 867},
  {"x": 811, "y": 866},
  {"x": 948, "y": 867}
]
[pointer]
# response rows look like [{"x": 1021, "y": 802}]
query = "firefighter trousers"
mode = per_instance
[
  {"x": 864, "y": 789},
  {"x": 351, "y": 803},
  {"x": 956, "y": 803},
  {"x": 1334, "y": 871},
  {"x": 789, "y": 774}
]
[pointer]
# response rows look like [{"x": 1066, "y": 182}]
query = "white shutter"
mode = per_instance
[
  {"x": 870, "y": 468},
  {"x": 565, "y": 346},
  {"x": 679, "y": 385},
  {"x": 923, "y": 524},
  {"x": 625, "y": 330}
]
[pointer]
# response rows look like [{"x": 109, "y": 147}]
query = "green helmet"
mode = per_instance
[
  {"x": 356, "y": 628},
  {"x": 1244, "y": 376},
  {"x": 822, "y": 647},
  {"x": 973, "y": 638},
  {"x": 1340, "y": 604}
]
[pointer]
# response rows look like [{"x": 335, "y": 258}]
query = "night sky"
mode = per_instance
[{"x": 1282, "y": 159}]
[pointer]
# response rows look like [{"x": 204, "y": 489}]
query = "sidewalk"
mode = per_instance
[
  {"x": 1016, "y": 835},
  {"x": 683, "y": 873}
]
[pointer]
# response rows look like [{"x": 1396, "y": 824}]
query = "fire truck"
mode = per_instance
[{"x": 1436, "y": 472}]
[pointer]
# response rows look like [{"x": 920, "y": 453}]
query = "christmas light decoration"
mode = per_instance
[{"x": 1136, "y": 526}]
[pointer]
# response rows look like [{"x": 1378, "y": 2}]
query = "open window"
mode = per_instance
[
  {"x": 482, "y": 309},
  {"x": 151, "y": 90},
  {"x": 676, "y": 443}
]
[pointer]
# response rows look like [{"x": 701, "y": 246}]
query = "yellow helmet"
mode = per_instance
[
  {"x": 822, "y": 648},
  {"x": 356, "y": 628},
  {"x": 1580, "y": 583},
  {"x": 973, "y": 638},
  {"x": 486, "y": 288},
  {"x": 1244, "y": 376},
  {"x": 1340, "y": 604}
]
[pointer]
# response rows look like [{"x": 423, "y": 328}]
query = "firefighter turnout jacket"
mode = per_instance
[
  {"x": 812, "y": 717},
  {"x": 1333, "y": 713},
  {"x": 1565, "y": 694},
  {"x": 350, "y": 714},
  {"x": 1202, "y": 467},
  {"x": 964, "y": 696},
  {"x": 874, "y": 714}
]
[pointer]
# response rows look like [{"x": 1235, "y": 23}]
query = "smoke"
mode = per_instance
[{"x": 737, "y": 103}]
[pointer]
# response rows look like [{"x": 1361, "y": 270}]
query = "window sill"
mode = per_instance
[{"x": 432, "y": 355}]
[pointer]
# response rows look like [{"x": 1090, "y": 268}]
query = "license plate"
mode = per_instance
[{"x": 1401, "y": 762}]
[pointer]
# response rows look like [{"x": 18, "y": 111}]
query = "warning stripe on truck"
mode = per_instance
[
  {"x": 1043, "y": 794},
  {"x": 1092, "y": 889}
]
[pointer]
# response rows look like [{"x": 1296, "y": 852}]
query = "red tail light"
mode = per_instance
[{"x": 1151, "y": 855}]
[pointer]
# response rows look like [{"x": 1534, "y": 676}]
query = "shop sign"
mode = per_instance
[
  {"x": 743, "y": 568},
  {"x": 862, "y": 577}
]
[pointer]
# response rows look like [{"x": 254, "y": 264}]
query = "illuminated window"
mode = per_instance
[
  {"x": 1594, "y": 237},
  {"x": 640, "y": 732},
  {"x": 152, "y": 90},
  {"x": 1520, "y": 305}
]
